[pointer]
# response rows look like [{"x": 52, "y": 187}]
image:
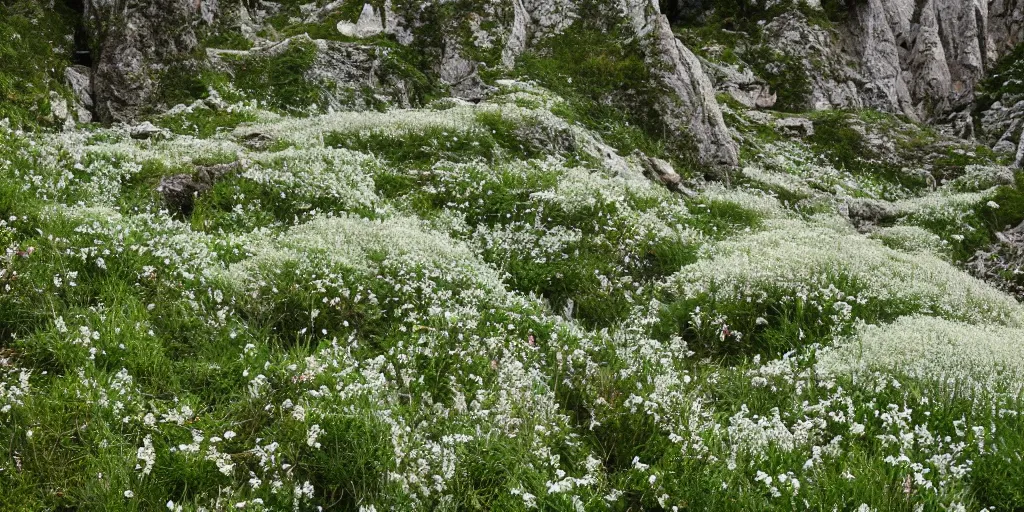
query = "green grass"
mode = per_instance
[
  {"x": 34, "y": 51},
  {"x": 257, "y": 353},
  {"x": 280, "y": 81},
  {"x": 608, "y": 88}
]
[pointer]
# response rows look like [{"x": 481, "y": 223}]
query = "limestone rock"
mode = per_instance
[
  {"x": 866, "y": 213},
  {"x": 688, "y": 107},
  {"x": 1019, "y": 161},
  {"x": 662, "y": 172},
  {"x": 461, "y": 75},
  {"x": 743, "y": 86},
  {"x": 370, "y": 22},
  {"x": 795, "y": 127},
  {"x": 77, "y": 77},
  {"x": 924, "y": 58},
  {"x": 59, "y": 111},
  {"x": 347, "y": 71},
  {"x": 180, "y": 190},
  {"x": 347, "y": 29},
  {"x": 137, "y": 39},
  {"x": 145, "y": 131},
  {"x": 1002, "y": 263},
  {"x": 833, "y": 84}
]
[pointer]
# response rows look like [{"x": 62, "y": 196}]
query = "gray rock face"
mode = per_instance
[
  {"x": 833, "y": 82},
  {"x": 77, "y": 77},
  {"x": 1019, "y": 161},
  {"x": 136, "y": 40},
  {"x": 920, "y": 58},
  {"x": 924, "y": 58},
  {"x": 688, "y": 107},
  {"x": 1002, "y": 125},
  {"x": 742, "y": 86},
  {"x": 1005, "y": 26},
  {"x": 353, "y": 75}
]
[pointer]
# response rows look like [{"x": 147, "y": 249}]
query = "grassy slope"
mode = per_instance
[{"x": 344, "y": 323}]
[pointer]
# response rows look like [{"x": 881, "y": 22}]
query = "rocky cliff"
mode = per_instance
[{"x": 922, "y": 59}]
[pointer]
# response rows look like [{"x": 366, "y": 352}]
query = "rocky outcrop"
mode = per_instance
[
  {"x": 690, "y": 107},
  {"x": 1002, "y": 126},
  {"x": 924, "y": 58},
  {"x": 919, "y": 58},
  {"x": 78, "y": 79},
  {"x": 351, "y": 76},
  {"x": 1005, "y": 26},
  {"x": 832, "y": 83},
  {"x": 742, "y": 86},
  {"x": 687, "y": 108},
  {"x": 1002, "y": 263},
  {"x": 135, "y": 41}
]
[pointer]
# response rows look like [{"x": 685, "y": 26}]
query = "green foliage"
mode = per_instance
[
  {"x": 35, "y": 49},
  {"x": 845, "y": 148},
  {"x": 785, "y": 75},
  {"x": 204, "y": 122},
  {"x": 1004, "y": 80},
  {"x": 607, "y": 86},
  {"x": 280, "y": 80},
  {"x": 186, "y": 80},
  {"x": 492, "y": 138},
  {"x": 978, "y": 227}
]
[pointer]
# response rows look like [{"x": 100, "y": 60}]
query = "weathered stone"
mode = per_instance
[
  {"x": 136, "y": 40},
  {"x": 687, "y": 108},
  {"x": 1002, "y": 263},
  {"x": 347, "y": 29},
  {"x": 59, "y": 111},
  {"x": 461, "y": 76},
  {"x": 1019, "y": 161},
  {"x": 181, "y": 190},
  {"x": 866, "y": 213},
  {"x": 370, "y": 22},
  {"x": 662, "y": 172},
  {"x": 1005, "y": 147},
  {"x": 146, "y": 130},
  {"x": 795, "y": 127},
  {"x": 353, "y": 75},
  {"x": 833, "y": 83},
  {"x": 77, "y": 77},
  {"x": 743, "y": 86},
  {"x": 924, "y": 58}
]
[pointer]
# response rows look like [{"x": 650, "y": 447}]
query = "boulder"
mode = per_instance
[
  {"x": 181, "y": 190},
  {"x": 662, "y": 172},
  {"x": 144, "y": 131},
  {"x": 78, "y": 79},
  {"x": 795, "y": 127},
  {"x": 136, "y": 40}
]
